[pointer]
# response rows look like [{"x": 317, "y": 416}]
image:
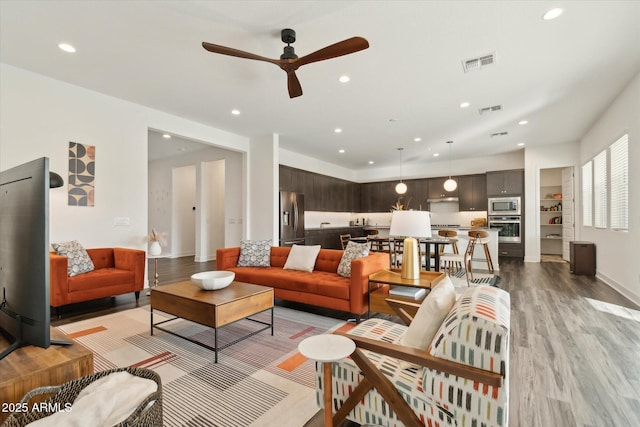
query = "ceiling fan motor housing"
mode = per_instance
[{"x": 288, "y": 36}]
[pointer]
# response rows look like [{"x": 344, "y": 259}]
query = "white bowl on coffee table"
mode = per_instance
[{"x": 213, "y": 280}]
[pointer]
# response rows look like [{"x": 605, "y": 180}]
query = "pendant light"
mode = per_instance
[
  {"x": 450, "y": 184},
  {"x": 401, "y": 187}
]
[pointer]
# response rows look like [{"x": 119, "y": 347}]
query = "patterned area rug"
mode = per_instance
[
  {"x": 261, "y": 381},
  {"x": 459, "y": 279}
]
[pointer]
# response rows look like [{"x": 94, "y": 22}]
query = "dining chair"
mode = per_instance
[{"x": 344, "y": 240}]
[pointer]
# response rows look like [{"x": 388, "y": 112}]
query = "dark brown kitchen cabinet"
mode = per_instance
[
  {"x": 437, "y": 191},
  {"x": 472, "y": 192},
  {"x": 505, "y": 183}
]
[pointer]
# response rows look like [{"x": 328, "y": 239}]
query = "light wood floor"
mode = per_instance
[{"x": 575, "y": 343}]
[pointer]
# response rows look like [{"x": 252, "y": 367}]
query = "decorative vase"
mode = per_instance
[{"x": 155, "y": 249}]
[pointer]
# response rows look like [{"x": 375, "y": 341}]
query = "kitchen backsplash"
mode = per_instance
[{"x": 441, "y": 213}]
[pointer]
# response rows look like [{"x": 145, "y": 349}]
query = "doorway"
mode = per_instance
[{"x": 556, "y": 213}]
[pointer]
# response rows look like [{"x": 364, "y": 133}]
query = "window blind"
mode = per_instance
[
  {"x": 587, "y": 194},
  {"x": 600, "y": 190},
  {"x": 619, "y": 154}
]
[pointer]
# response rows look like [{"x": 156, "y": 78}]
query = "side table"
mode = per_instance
[
  {"x": 156, "y": 276},
  {"x": 392, "y": 277},
  {"x": 327, "y": 348}
]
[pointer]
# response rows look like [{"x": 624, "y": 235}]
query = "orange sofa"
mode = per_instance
[
  {"x": 117, "y": 271},
  {"x": 322, "y": 287}
]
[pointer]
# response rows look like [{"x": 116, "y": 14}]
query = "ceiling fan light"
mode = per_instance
[
  {"x": 450, "y": 184},
  {"x": 401, "y": 188}
]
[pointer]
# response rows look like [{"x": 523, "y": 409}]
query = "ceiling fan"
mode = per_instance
[{"x": 289, "y": 61}]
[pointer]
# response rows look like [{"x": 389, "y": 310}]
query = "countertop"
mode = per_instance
[{"x": 332, "y": 227}]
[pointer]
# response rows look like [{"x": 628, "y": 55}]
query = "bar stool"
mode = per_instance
[
  {"x": 454, "y": 245},
  {"x": 482, "y": 238}
]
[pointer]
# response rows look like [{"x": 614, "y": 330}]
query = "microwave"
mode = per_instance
[{"x": 504, "y": 206}]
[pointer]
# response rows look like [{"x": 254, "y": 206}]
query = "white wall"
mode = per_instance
[
  {"x": 263, "y": 182},
  {"x": 536, "y": 158},
  {"x": 617, "y": 252},
  {"x": 40, "y": 115},
  {"x": 232, "y": 203}
]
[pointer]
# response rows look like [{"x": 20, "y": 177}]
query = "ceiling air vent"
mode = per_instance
[
  {"x": 478, "y": 63},
  {"x": 499, "y": 134},
  {"x": 490, "y": 109}
]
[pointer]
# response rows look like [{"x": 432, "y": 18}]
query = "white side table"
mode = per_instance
[{"x": 327, "y": 348}]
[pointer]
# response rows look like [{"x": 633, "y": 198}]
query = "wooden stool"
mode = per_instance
[
  {"x": 482, "y": 237},
  {"x": 454, "y": 245}
]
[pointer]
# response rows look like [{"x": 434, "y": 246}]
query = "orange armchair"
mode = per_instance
[{"x": 117, "y": 271}]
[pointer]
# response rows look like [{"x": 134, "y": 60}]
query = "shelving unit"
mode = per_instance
[{"x": 551, "y": 219}]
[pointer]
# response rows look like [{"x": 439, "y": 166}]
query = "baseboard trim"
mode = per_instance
[{"x": 620, "y": 288}]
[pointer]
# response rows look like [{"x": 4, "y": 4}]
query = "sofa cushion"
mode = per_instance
[
  {"x": 78, "y": 258},
  {"x": 352, "y": 251},
  {"x": 430, "y": 315},
  {"x": 317, "y": 282},
  {"x": 102, "y": 278},
  {"x": 255, "y": 253},
  {"x": 302, "y": 258}
]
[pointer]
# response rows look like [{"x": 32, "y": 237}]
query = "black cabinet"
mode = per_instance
[
  {"x": 329, "y": 238},
  {"x": 505, "y": 183},
  {"x": 582, "y": 258},
  {"x": 321, "y": 192},
  {"x": 378, "y": 196},
  {"x": 417, "y": 194},
  {"x": 472, "y": 192},
  {"x": 437, "y": 191},
  {"x": 512, "y": 250}
]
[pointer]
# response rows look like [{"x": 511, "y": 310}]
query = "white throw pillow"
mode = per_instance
[
  {"x": 78, "y": 260},
  {"x": 352, "y": 251},
  {"x": 430, "y": 315},
  {"x": 302, "y": 258}
]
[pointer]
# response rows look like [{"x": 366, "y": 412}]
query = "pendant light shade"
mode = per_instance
[
  {"x": 450, "y": 184},
  {"x": 401, "y": 187}
]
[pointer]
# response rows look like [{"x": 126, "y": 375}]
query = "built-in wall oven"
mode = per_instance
[{"x": 508, "y": 226}]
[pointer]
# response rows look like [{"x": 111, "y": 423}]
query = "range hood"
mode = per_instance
[{"x": 443, "y": 199}]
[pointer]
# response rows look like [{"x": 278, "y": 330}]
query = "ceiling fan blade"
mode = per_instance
[
  {"x": 295, "y": 89},
  {"x": 235, "y": 52},
  {"x": 345, "y": 47}
]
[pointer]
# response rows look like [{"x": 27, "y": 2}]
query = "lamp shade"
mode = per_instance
[
  {"x": 450, "y": 184},
  {"x": 410, "y": 224},
  {"x": 401, "y": 188}
]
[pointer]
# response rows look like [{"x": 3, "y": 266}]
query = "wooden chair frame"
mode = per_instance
[
  {"x": 374, "y": 378},
  {"x": 344, "y": 240}
]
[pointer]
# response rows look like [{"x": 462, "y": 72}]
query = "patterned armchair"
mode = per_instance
[{"x": 460, "y": 380}]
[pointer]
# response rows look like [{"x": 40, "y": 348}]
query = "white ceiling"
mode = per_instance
[{"x": 559, "y": 75}]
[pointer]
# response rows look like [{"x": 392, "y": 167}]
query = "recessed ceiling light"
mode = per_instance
[
  {"x": 166, "y": 136},
  {"x": 520, "y": 144},
  {"x": 393, "y": 120},
  {"x": 344, "y": 79},
  {"x": 552, "y": 14},
  {"x": 235, "y": 112},
  {"x": 523, "y": 122},
  {"x": 418, "y": 139},
  {"x": 464, "y": 104},
  {"x": 337, "y": 130},
  {"x": 436, "y": 154},
  {"x": 67, "y": 47},
  {"x": 371, "y": 162},
  {"x": 341, "y": 150}
]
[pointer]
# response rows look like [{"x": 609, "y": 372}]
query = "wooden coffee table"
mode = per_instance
[{"x": 215, "y": 309}]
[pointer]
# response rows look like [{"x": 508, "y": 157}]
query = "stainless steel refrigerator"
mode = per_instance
[{"x": 291, "y": 218}]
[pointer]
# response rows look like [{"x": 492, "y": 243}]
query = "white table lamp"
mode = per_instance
[{"x": 410, "y": 225}]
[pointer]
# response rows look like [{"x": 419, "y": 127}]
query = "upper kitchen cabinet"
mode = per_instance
[
  {"x": 378, "y": 196},
  {"x": 505, "y": 183},
  {"x": 472, "y": 192},
  {"x": 417, "y": 194},
  {"x": 437, "y": 191}
]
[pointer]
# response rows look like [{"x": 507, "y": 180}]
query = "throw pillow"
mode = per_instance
[
  {"x": 255, "y": 253},
  {"x": 302, "y": 258},
  {"x": 78, "y": 258},
  {"x": 430, "y": 315},
  {"x": 352, "y": 251}
]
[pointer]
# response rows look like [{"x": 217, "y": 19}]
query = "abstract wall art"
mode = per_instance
[{"x": 82, "y": 174}]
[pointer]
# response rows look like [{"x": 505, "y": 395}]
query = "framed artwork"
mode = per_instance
[{"x": 82, "y": 174}]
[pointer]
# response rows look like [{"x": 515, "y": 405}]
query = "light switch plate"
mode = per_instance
[{"x": 121, "y": 221}]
